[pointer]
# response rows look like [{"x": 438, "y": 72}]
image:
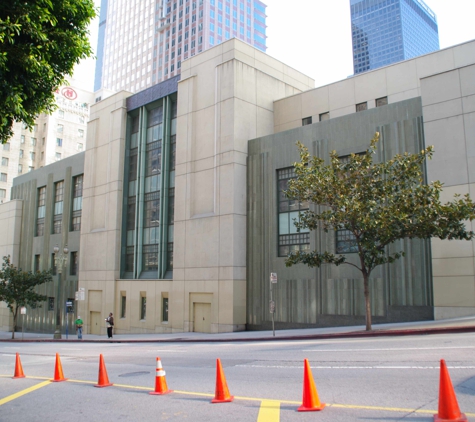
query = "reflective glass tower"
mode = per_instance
[
  {"x": 142, "y": 43},
  {"x": 388, "y": 31}
]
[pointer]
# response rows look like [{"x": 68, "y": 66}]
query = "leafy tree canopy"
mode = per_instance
[
  {"x": 40, "y": 42},
  {"x": 378, "y": 203},
  {"x": 17, "y": 288}
]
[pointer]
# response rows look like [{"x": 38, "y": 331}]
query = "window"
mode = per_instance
[
  {"x": 22, "y": 139},
  {"x": 53, "y": 265},
  {"x": 3, "y": 177},
  {"x": 6, "y": 146},
  {"x": 57, "y": 156},
  {"x": 164, "y": 309},
  {"x": 59, "y": 128},
  {"x": 59, "y": 142},
  {"x": 20, "y": 168},
  {"x": 362, "y": 106},
  {"x": 324, "y": 116},
  {"x": 80, "y": 133},
  {"x": 32, "y": 156},
  {"x": 74, "y": 264},
  {"x": 33, "y": 142},
  {"x": 21, "y": 153},
  {"x": 80, "y": 147},
  {"x": 381, "y": 101},
  {"x": 123, "y": 304},
  {"x": 290, "y": 240},
  {"x": 3, "y": 194},
  {"x": 5, "y": 161},
  {"x": 40, "y": 212},
  {"x": 143, "y": 305},
  {"x": 345, "y": 242},
  {"x": 58, "y": 207},
  {"x": 36, "y": 263},
  {"x": 61, "y": 113},
  {"x": 30, "y": 168},
  {"x": 307, "y": 121},
  {"x": 77, "y": 203},
  {"x": 51, "y": 304}
]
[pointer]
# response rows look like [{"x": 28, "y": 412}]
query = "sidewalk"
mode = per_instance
[{"x": 458, "y": 325}]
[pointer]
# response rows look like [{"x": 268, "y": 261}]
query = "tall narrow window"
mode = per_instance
[
  {"x": 290, "y": 240},
  {"x": 165, "y": 309},
  {"x": 40, "y": 213},
  {"x": 36, "y": 263},
  {"x": 74, "y": 264},
  {"x": 58, "y": 207},
  {"x": 123, "y": 304},
  {"x": 132, "y": 189},
  {"x": 143, "y": 305},
  {"x": 77, "y": 203}
]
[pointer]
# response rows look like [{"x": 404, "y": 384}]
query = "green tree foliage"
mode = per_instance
[
  {"x": 378, "y": 203},
  {"x": 40, "y": 42},
  {"x": 17, "y": 288}
]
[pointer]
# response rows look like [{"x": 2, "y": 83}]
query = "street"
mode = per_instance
[{"x": 384, "y": 378}]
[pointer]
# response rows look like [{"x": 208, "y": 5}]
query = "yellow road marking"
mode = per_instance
[
  {"x": 191, "y": 393},
  {"x": 269, "y": 411},
  {"x": 23, "y": 392}
]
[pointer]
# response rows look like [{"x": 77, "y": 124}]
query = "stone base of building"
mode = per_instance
[{"x": 448, "y": 312}]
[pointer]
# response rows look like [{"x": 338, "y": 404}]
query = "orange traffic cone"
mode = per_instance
[
  {"x": 58, "y": 371},
  {"x": 18, "y": 368},
  {"x": 448, "y": 406},
  {"x": 221, "y": 394},
  {"x": 103, "y": 380},
  {"x": 310, "y": 400},
  {"x": 160, "y": 380}
]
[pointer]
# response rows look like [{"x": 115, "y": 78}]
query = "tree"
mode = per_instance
[
  {"x": 17, "y": 288},
  {"x": 378, "y": 203},
  {"x": 40, "y": 42}
]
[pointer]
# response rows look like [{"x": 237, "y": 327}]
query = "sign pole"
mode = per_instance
[{"x": 273, "y": 280}]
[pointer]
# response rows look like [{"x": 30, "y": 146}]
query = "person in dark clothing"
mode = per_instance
[{"x": 109, "y": 325}]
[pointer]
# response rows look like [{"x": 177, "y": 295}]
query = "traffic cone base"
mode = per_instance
[
  {"x": 103, "y": 380},
  {"x": 157, "y": 393},
  {"x": 160, "y": 381},
  {"x": 18, "y": 368},
  {"x": 462, "y": 418},
  {"x": 448, "y": 407},
  {"x": 310, "y": 400},
  {"x": 58, "y": 371},
  {"x": 222, "y": 392}
]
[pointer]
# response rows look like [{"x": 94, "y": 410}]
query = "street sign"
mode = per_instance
[
  {"x": 23, "y": 310},
  {"x": 69, "y": 303},
  {"x": 271, "y": 306},
  {"x": 273, "y": 278},
  {"x": 81, "y": 295}
]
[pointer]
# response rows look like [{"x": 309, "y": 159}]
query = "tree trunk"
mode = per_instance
[
  {"x": 15, "y": 314},
  {"x": 367, "y": 301}
]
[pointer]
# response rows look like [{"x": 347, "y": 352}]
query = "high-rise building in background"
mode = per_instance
[
  {"x": 53, "y": 137},
  {"x": 388, "y": 31},
  {"x": 141, "y": 43}
]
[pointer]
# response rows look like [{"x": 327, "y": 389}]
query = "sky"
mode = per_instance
[{"x": 314, "y": 36}]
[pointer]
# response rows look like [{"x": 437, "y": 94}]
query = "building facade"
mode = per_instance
[
  {"x": 389, "y": 31},
  {"x": 47, "y": 206},
  {"x": 141, "y": 44},
  {"x": 54, "y": 136},
  {"x": 183, "y": 217}
]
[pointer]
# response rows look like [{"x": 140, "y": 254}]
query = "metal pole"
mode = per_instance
[
  {"x": 22, "y": 326},
  {"x": 57, "y": 332},
  {"x": 273, "y": 311},
  {"x": 67, "y": 319}
]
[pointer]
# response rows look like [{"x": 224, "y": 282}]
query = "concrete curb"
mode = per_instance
[{"x": 354, "y": 334}]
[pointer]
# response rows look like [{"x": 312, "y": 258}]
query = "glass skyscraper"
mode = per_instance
[
  {"x": 142, "y": 43},
  {"x": 388, "y": 31}
]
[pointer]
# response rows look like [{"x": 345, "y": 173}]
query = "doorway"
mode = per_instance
[
  {"x": 202, "y": 317},
  {"x": 96, "y": 323}
]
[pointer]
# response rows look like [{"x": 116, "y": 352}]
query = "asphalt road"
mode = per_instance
[{"x": 377, "y": 379}]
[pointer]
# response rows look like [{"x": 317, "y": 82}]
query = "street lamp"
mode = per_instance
[{"x": 60, "y": 259}]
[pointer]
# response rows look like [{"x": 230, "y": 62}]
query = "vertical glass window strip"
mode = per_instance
[
  {"x": 290, "y": 240},
  {"x": 74, "y": 264},
  {"x": 143, "y": 305},
  {"x": 165, "y": 309},
  {"x": 132, "y": 195},
  {"x": 77, "y": 203},
  {"x": 36, "y": 263},
  {"x": 58, "y": 207},
  {"x": 123, "y": 305},
  {"x": 40, "y": 214}
]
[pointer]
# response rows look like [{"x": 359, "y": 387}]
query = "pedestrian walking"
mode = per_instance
[
  {"x": 79, "y": 325},
  {"x": 109, "y": 325}
]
